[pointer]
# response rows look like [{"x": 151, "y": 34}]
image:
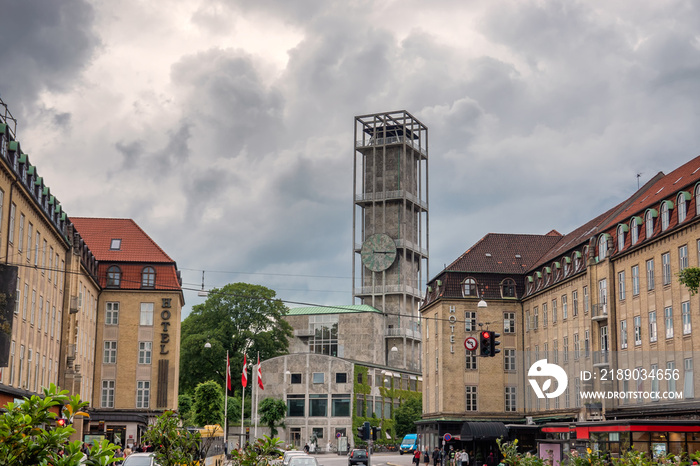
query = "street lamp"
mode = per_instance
[{"x": 207, "y": 345}]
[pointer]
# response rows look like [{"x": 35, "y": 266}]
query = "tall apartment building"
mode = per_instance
[
  {"x": 55, "y": 311},
  {"x": 603, "y": 302}
]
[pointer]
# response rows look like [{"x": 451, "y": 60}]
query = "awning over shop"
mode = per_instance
[{"x": 483, "y": 430}]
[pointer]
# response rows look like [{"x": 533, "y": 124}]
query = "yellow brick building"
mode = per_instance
[
  {"x": 92, "y": 305},
  {"x": 603, "y": 302}
]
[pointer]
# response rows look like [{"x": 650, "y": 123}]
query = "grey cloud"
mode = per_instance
[{"x": 46, "y": 45}]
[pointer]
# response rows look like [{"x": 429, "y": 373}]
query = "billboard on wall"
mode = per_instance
[{"x": 8, "y": 297}]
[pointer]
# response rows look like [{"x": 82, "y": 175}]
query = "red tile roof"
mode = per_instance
[
  {"x": 136, "y": 245},
  {"x": 497, "y": 253},
  {"x": 137, "y": 251}
]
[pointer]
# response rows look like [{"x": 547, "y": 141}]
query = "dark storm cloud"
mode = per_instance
[
  {"x": 45, "y": 46},
  {"x": 224, "y": 92}
]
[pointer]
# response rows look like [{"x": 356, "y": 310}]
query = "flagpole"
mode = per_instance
[
  {"x": 257, "y": 371},
  {"x": 245, "y": 374},
  {"x": 226, "y": 383}
]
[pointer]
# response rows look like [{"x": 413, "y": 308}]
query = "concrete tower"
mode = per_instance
[{"x": 390, "y": 227}]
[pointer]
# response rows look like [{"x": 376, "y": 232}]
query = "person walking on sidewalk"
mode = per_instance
[{"x": 436, "y": 457}]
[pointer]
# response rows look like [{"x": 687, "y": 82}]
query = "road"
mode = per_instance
[{"x": 378, "y": 459}]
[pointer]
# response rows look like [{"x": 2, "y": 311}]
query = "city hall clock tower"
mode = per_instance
[{"x": 390, "y": 227}]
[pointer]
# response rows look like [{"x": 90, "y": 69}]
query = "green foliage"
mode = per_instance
[
  {"x": 263, "y": 452},
  {"x": 26, "y": 439},
  {"x": 232, "y": 318},
  {"x": 185, "y": 405},
  {"x": 272, "y": 411},
  {"x": 173, "y": 445},
  {"x": 406, "y": 415},
  {"x": 511, "y": 457},
  {"x": 690, "y": 277},
  {"x": 208, "y": 404}
]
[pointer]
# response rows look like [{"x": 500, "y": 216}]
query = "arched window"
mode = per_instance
[
  {"x": 577, "y": 261},
  {"x": 621, "y": 237},
  {"x": 602, "y": 246},
  {"x": 469, "y": 287},
  {"x": 114, "y": 276},
  {"x": 148, "y": 277},
  {"x": 649, "y": 223},
  {"x": 530, "y": 285},
  {"x": 682, "y": 203},
  {"x": 634, "y": 230},
  {"x": 547, "y": 274},
  {"x": 508, "y": 288},
  {"x": 556, "y": 271},
  {"x": 665, "y": 215},
  {"x": 566, "y": 261}
]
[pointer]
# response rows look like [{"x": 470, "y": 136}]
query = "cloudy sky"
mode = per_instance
[{"x": 225, "y": 128}]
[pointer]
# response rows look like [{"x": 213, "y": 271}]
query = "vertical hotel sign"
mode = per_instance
[
  {"x": 165, "y": 315},
  {"x": 163, "y": 363}
]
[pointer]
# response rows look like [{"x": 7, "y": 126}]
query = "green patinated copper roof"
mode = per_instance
[{"x": 349, "y": 309}]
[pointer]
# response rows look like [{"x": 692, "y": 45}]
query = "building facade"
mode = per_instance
[
  {"x": 335, "y": 377},
  {"x": 58, "y": 327},
  {"x": 603, "y": 302}
]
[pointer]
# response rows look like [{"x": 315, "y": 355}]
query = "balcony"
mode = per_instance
[
  {"x": 403, "y": 332},
  {"x": 388, "y": 289},
  {"x": 391, "y": 195},
  {"x": 391, "y": 140},
  {"x": 304, "y": 333},
  {"x": 599, "y": 312},
  {"x": 601, "y": 358}
]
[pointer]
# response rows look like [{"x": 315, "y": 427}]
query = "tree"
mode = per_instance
[
  {"x": 30, "y": 435},
  {"x": 264, "y": 452},
  {"x": 407, "y": 414},
  {"x": 272, "y": 411},
  {"x": 173, "y": 445},
  {"x": 185, "y": 403},
  {"x": 236, "y": 317},
  {"x": 208, "y": 404}
]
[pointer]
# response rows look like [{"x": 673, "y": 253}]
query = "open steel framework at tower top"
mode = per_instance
[{"x": 390, "y": 187}]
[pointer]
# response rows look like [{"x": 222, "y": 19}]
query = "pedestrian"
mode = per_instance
[
  {"x": 458, "y": 457},
  {"x": 465, "y": 458},
  {"x": 306, "y": 448},
  {"x": 436, "y": 457},
  {"x": 491, "y": 460},
  {"x": 426, "y": 457},
  {"x": 451, "y": 456},
  {"x": 416, "y": 457},
  {"x": 127, "y": 450}
]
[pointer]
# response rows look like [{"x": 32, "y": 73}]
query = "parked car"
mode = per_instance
[
  {"x": 289, "y": 454},
  {"x": 140, "y": 459},
  {"x": 358, "y": 456},
  {"x": 302, "y": 460}
]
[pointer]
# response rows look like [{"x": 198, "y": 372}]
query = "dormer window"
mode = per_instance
[
  {"x": 566, "y": 262},
  {"x": 602, "y": 246},
  {"x": 115, "y": 245},
  {"x": 469, "y": 287},
  {"x": 621, "y": 229},
  {"x": 508, "y": 288},
  {"x": 114, "y": 276},
  {"x": 649, "y": 222},
  {"x": 148, "y": 277},
  {"x": 666, "y": 207},
  {"x": 682, "y": 203},
  {"x": 634, "y": 228}
]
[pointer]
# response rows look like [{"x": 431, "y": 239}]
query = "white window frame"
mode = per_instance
[
  {"x": 146, "y": 315},
  {"x": 653, "y": 335}
]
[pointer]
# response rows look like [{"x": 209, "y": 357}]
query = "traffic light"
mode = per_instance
[
  {"x": 364, "y": 431},
  {"x": 375, "y": 432},
  {"x": 494, "y": 343},
  {"x": 485, "y": 343}
]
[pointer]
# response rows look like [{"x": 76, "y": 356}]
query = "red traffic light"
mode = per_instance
[{"x": 486, "y": 335}]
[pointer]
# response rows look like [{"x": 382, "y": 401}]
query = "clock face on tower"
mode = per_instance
[{"x": 378, "y": 252}]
